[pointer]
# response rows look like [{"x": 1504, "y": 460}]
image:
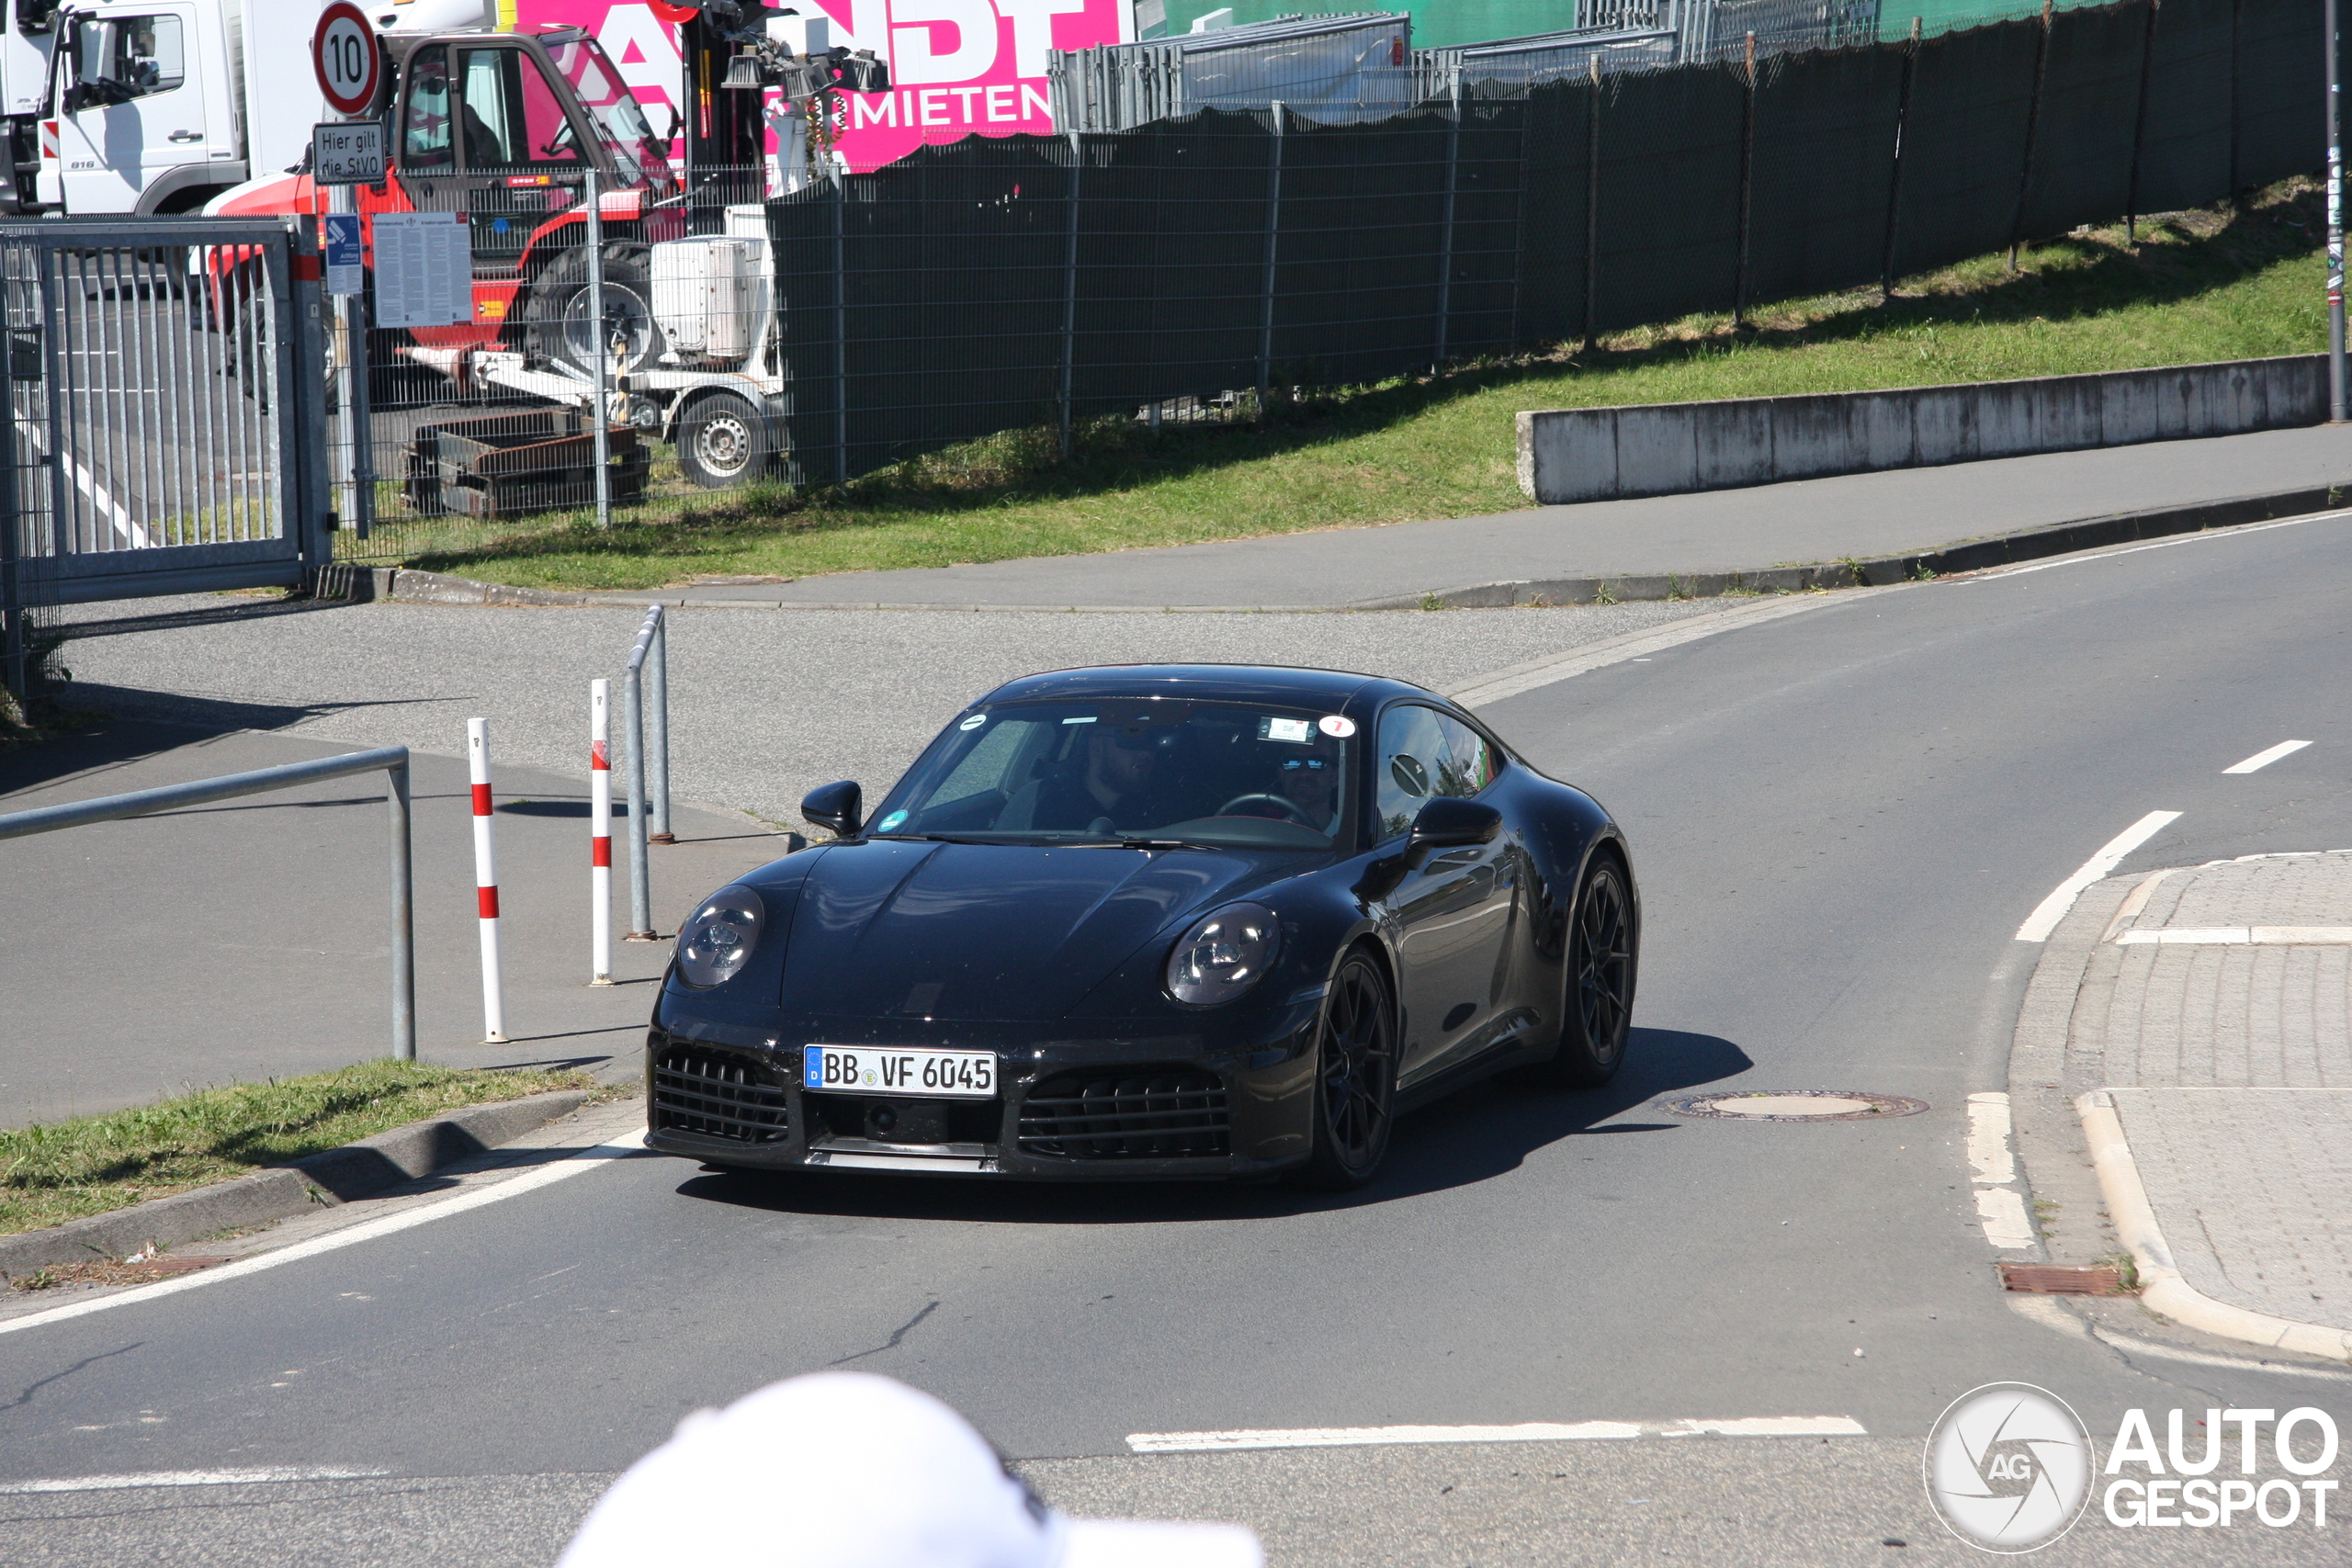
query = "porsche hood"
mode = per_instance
[{"x": 987, "y": 932}]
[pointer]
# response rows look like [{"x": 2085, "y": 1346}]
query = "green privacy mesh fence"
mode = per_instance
[{"x": 1214, "y": 260}]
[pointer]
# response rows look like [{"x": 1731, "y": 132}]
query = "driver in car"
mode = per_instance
[
  {"x": 1306, "y": 786},
  {"x": 1119, "y": 786}
]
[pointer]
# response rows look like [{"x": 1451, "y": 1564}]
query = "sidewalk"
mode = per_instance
[
  {"x": 2208, "y": 1054},
  {"x": 1798, "y": 523}
]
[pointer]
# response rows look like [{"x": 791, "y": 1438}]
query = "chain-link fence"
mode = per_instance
[{"x": 1201, "y": 266}]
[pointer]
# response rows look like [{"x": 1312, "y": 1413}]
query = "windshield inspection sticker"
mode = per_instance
[
  {"x": 973, "y": 721},
  {"x": 1087, "y": 718},
  {"x": 1297, "y": 730},
  {"x": 890, "y": 822},
  {"x": 1337, "y": 726}
]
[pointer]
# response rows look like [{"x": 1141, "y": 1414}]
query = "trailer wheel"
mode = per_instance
[
  {"x": 556, "y": 327},
  {"x": 724, "y": 441}
]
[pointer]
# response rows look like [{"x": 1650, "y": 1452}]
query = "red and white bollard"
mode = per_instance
[
  {"x": 493, "y": 1000},
  {"x": 600, "y": 832}
]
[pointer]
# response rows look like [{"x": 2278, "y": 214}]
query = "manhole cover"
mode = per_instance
[{"x": 1794, "y": 1105}]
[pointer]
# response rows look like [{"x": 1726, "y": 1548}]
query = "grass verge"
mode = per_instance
[
  {"x": 92, "y": 1165},
  {"x": 2230, "y": 282}
]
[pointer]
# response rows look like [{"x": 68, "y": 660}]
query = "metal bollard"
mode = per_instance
[
  {"x": 641, "y": 896},
  {"x": 600, "y": 832},
  {"x": 493, "y": 990},
  {"x": 403, "y": 915},
  {"x": 658, "y": 741}
]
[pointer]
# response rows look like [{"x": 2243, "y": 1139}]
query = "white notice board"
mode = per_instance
[{"x": 425, "y": 269}]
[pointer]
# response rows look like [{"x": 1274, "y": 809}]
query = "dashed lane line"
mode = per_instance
[
  {"x": 2262, "y": 760},
  {"x": 1524, "y": 1432}
]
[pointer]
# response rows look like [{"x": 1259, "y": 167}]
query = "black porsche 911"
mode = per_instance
[{"x": 1152, "y": 922}]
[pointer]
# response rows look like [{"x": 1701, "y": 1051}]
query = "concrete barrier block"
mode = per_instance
[
  {"x": 1813, "y": 435},
  {"x": 1884, "y": 430},
  {"x": 2065, "y": 411},
  {"x": 1734, "y": 443},
  {"x": 1657, "y": 449},
  {"x": 2132, "y": 408},
  {"x": 1570, "y": 455},
  {"x": 1943, "y": 425},
  {"x": 2003, "y": 414}
]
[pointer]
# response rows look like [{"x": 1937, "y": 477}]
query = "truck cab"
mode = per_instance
[{"x": 143, "y": 111}]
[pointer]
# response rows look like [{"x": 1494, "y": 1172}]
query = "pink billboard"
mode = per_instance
[{"x": 958, "y": 67}]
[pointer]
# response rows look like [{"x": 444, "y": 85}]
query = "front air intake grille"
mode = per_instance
[
  {"x": 717, "y": 1094},
  {"x": 1155, "y": 1113}
]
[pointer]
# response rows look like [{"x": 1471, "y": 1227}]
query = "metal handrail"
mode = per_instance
[
  {"x": 650, "y": 653},
  {"x": 394, "y": 760}
]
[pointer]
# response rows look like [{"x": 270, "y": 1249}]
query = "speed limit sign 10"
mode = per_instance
[{"x": 350, "y": 63}]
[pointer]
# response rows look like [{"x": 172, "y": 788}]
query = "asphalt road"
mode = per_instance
[{"x": 1839, "y": 820}]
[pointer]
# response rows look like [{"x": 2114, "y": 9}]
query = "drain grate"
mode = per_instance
[
  {"x": 2061, "y": 1278},
  {"x": 1794, "y": 1105}
]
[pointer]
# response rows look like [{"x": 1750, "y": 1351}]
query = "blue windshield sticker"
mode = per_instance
[
  {"x": 890, "y": 822},
  {"x": 973, "y": 721}
]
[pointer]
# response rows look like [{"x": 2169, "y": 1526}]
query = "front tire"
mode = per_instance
[
  {"x": 1355, "y": 1078},
  {"x": 1597, "y": 1013}
]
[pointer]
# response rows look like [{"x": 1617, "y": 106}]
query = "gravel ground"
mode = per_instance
[{"x": 764, "y": 703}]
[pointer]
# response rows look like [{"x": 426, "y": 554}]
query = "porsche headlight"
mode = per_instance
[
  {"x": 715, "y": 942},
  {"x": 1223, "y": 954}
]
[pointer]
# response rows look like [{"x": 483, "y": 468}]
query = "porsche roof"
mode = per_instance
[{"x": 1232, "y": 682}]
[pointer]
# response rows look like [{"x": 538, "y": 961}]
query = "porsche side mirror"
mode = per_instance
[
  {"x": 834, "y": 807},
  {"x": 1450, "y": 822}
]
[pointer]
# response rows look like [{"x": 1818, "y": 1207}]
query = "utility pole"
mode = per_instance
[{"x": 2335, "y": 410}]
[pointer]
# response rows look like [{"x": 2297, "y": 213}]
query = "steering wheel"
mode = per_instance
[{"x": 1287, "y": 807}]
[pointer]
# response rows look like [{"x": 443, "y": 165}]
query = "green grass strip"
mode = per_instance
[
  {"x": 2221, "y": 283},
  {"x": 91, "y": 1165}
]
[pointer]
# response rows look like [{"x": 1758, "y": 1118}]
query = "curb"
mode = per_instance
[
  {"x": 334, "y": 1177},
  {"x": 358, "y": 584},
  {"x": 2161, "y": 1285}
]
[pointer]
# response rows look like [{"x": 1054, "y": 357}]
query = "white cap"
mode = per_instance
[{"x": 847, "y": 1470}]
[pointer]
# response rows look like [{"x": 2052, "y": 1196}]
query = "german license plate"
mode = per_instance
[{"x": 946, "y": 1075}]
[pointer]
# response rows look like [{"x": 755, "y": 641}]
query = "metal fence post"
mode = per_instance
[
  {"x": 1069, "y": 292},
  {"x": 403, "y": 917},
  {"x": 1894, "y": 175},
  {"x": 2032, "y": 134},
  {"x": 840, "y": 205},
  {"x": 1273, "y": 239},
  {"x": 2335, "y": 388},
  {"x": 658, "y": 746},
  {"x": 594, "y": 200},
  {"x": 1746, "y": 184},
  {"x": 1445, "y": 239},
  {"x": 13, "y": 673},
  {"x": 2140, "y": 126},
  {"x": 1592, "y": 214}
]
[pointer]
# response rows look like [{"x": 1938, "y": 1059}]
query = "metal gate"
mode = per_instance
[{"x": 168, "y": 410}]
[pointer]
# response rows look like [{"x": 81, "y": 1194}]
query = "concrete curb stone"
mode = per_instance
[{"x": 336, "y": 1176}]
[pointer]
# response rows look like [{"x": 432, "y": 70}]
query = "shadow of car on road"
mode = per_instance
[{"x": 1475, "y": 1135}]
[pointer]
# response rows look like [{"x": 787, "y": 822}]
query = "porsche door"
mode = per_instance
[{"x": 1453, "y": 914}]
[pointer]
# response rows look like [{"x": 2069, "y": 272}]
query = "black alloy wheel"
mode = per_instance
[
  {"x": 723, "y": 441},
  {"x": 1599, "y": 1010},
  {"x": 1355, "y": 1078}
]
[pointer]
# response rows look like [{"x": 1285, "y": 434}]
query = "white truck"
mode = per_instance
[{"x": 27, "y": 29}]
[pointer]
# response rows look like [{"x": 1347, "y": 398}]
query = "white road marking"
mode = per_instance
[
  {"x": 2002, "y": 1213},
  {"x": 183, "y": 1478},
  {"x": 128, "y": 531},
  {"x": 1988, "y": 1138},
  {"x": 1496, "y": 684},
  {"x": 1527, "y": 1432},
  {"x": 2261, "y": 760},
  {"x": 2238, "y": 936},
  {"x": 572, "y": 1165},
  {"x": 2206, "y": 538},
  {"x": 2050, "y": 910}
]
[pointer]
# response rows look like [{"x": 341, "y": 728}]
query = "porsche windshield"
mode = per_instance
[{"x": 1217, "y": 775}]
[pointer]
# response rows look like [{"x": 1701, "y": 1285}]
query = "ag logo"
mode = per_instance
[{"x": 2008, "y": 1467}]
